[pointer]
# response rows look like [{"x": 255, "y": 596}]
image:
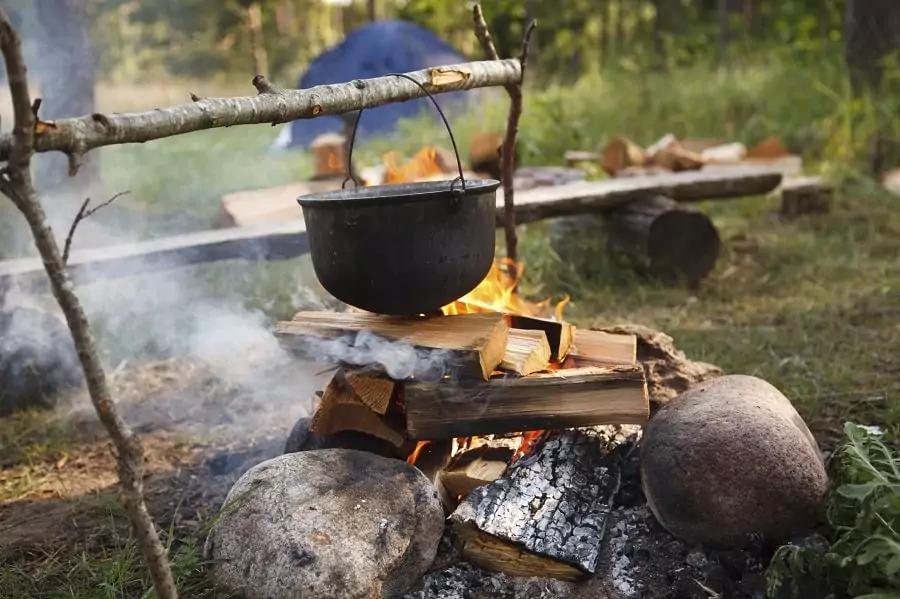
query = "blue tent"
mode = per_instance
[{"x": 375, "y": 50}]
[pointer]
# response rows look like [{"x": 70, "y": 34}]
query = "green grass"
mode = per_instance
[{"x": 811, "y": 305}]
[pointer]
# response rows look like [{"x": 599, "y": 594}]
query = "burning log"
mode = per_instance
[
  {"x": 468, "y": 345},
  {"x": 342, "y": 410},
  {"x": 576, "y": 397},
  {"x": 559, "y": 334},
  {"x": 329, "y": 152},
  {"x": 527, "y": 352},
  {"x": 598, "y": 348},
  {"x": 546, "y": 516},
  {"x": 678, "y": 243}
]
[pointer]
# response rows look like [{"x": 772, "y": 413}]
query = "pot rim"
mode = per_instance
[{"x": 402, "y": 193}]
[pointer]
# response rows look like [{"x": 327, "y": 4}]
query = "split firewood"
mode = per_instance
[
  {"x": 669, "y": 372},
  {"x": 677, "y": 159},
  {"x": 547, "y": 515},
  {"x": 576, "y": 397},
  {"x": 374, "y": 390},
  {"x": 463, "y": 346},
  {"x": 526, "y": 352},
  {"x": 559, "y": 334},
  {"x": 805, "y": 195},
  {"x": 620, "y": 153},
  {"x": 342, "y": 410},
  {"x": 675, "y": 242},
  {"x": 724, "y": 154},
  {"x": 596, "y": 348},
  {"x": 575, "y": 158},
  {"x": 474, "y": 468},
  {"x": 484, "y": 154},
  {"x": 770, "y": 147}
]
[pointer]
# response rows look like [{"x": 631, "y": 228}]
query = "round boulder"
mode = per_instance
[
  {"x": 729, "y": 458},
  {"x": 326, "y": 524}
]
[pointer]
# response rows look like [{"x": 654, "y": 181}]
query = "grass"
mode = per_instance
[{"x": 811, "y": 305}]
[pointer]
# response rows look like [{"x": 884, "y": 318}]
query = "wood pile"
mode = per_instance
[
  {"x": 466, "y": 375},
  {"x": 465, "y": 397}
]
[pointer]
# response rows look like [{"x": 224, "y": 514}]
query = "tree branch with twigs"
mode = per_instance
[
  {"x": 507, "y": 152},
  {"x": 16, "y": 184}
]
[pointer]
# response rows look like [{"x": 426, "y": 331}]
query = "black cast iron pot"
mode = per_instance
[{"x": 402, "y": 249}]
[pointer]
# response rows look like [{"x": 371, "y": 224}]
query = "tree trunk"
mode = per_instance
[
  {"x": 371, "y": 11},
  {"x": 872, "y": 32},
  {"x": 253, "y": 19},
  {"x": 722, "y": 38},
  {"x": 660, "y": 26},
  {"x": 66, "y": 68}
]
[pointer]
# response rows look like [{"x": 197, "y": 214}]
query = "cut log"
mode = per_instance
[
  {"x": 526, "y": 352},
  {"x": 547, "y": 515},
  {"x": 474, "y": 468},
  {"x": 574, "y": 158},
  {"x": 676, "y": 243},
  {"x": 805, "y": 195},
  {"x": 462, "y": 346},
  {"x": 373, "y": 390},
  {"x": 341, "y": 410},
  {"x": 596, "y": 348},
  {"x": 559, "y": 334},
  {"x": 676, "y": 159},
  {"x": 557, "y": 399}
]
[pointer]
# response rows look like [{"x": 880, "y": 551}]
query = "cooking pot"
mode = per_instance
[{"x": 402, "y": 249}]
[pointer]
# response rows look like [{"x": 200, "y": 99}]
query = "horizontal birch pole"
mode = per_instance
[{"x": 77, "y": 136}]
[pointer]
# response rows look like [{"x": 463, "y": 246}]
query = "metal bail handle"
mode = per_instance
[{"x": 460, "y": 178}]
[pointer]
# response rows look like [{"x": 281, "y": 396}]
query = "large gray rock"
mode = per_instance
[
  {"x": 326, "y": 524},
  {"x": 729, "y": 458}
]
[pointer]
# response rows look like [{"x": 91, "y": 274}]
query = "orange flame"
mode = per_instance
[
  {"x": 420, "y": 445},
  {"x": 333, "y": 162},
  {"x": 497, "y": 293},
  {"x": 424, "y": 166}
]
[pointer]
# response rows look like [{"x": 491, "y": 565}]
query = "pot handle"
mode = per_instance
[{"x": 460, "y": 178}]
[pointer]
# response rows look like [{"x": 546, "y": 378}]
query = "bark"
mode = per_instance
[
  {"x": 67, "y": 73},
  {"x": 77, "y": 136},
  {"x": 677, "y": 244},
  {"x": 547, "y": 515},
  {"x": 16, "y": 184},
  {"x": 805, "y": 195},
  {"x": 669, "y": 372}
]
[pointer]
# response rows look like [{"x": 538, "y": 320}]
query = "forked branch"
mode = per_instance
[
  {"x": 16, "y": 184},
  {"x": 508, "y": 151}
]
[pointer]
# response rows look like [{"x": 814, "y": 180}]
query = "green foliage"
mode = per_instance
[{"x": 863, "y": 518}]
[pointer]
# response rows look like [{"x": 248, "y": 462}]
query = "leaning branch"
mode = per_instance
[
  {"x": 507, "y": 154},
  {"x": 77, "y": 136},
  {"x": 15, "y": 183}
]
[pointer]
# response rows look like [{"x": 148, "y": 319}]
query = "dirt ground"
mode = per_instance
[{"x": 58, "y": 497}]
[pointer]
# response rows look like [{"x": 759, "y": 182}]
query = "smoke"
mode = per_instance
[{"x": 398, "y": 359}]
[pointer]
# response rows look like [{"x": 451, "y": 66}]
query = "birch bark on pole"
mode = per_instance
[
  {"x": 77, "y": 136},
  {"x": 16, "y": 184}
]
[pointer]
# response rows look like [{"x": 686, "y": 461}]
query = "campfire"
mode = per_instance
[
  {"x": 489, "y": 381},
  {"x": 466, "y": 395}
]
